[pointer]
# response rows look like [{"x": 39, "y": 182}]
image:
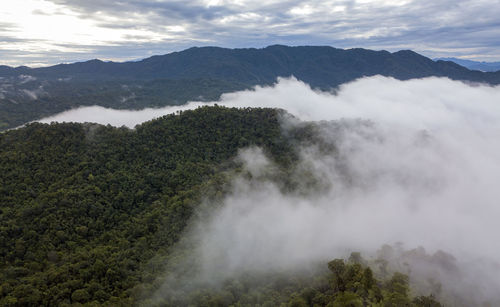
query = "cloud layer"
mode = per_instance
[
  {"x": 113, "y": 117},
  {"x": 389, "y": 102},
  {"x": 123, "y": 30}
]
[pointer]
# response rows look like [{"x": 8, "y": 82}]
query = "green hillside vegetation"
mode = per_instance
[
  {"x": 336, "y": 283},
  {"x": 89, "y": 214}
]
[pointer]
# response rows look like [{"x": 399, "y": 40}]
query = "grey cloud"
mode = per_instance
[
  {"x": 35, "y": 58},
  {"x": 433, "y": 28},
  {"x": 168, "y": 9},
  {"x": 12, "y": 39},
  {"x": 6, "y": 27},
  {"x": 40, "y": 12}
]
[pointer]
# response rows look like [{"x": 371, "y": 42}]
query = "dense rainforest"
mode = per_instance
[{"x": 89, "y": 214}]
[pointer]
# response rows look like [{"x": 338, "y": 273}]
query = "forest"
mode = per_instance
[{"x": 90, "y": 215}]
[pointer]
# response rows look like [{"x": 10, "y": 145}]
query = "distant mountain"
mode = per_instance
[
  {"x": 204, "y": 73},
  {"x": 319, "y": 66},
  {"x": 474, "y": 65}
]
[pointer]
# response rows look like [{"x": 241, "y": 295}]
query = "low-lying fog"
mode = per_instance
[
  {"x": 377, "y": 98},
  {"x": 422, "y": 168}
]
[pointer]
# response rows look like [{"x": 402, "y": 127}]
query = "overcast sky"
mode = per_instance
[{"x": 42, "y": 32}]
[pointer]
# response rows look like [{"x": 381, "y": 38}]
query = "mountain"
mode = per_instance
[
  {"x": 319, "y": 66},
  {"x": 204, "y": 74},
  {"x": 474, "y": 65}
]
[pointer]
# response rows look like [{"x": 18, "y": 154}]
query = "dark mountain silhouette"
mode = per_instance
[{"x": 316, "y": 65}]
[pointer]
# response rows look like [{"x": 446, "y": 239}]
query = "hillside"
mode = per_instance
[
  {"x": 89, "y": 214},
  {"x": 87, "y": 206},
  {"x": 202, "y": 74}
]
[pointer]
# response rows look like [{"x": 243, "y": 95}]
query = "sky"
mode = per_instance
[{"x": 45, "y": 32}]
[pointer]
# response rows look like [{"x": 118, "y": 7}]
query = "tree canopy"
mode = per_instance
[{"x": 89, "y": 213}]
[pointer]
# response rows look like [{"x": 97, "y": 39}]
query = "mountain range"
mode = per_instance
[
  {"x": 474, "y": 65},
  {"x": 202, "y": 74}
]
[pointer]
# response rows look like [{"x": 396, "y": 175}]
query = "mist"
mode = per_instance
[
  {"x": 114, "y": 117},
  {"x": 416, "y": 165},
  {"x": 419, "y": 102}
]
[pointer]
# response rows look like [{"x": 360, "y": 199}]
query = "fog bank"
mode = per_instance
[
  {"x": 422, "y": 103},
  {"x": 416, "y": 162},
  {"x": 114, "y": 117}
]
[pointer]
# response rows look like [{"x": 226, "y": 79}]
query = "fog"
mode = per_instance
[
  {"x": 422, "y": 103},
  {"x": 416, "y": 162},
  {"x": 113, "y": 117}
]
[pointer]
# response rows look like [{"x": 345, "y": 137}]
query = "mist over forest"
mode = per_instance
[
  {"x": 412, "y": 164},
  {"x": 402, "y": 172}
]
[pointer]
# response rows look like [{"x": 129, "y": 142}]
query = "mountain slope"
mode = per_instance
[
  {"x": 83, "y": 208},
  {"x": 316, "y": 65},
  {"x": 28, "y": 94}
]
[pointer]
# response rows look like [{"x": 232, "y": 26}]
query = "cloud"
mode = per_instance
[
  {"x": 117, "y": 118},
  {"x": 437, "y": 29}
]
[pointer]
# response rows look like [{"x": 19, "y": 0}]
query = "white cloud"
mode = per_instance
[
  {"x": 416, "y": 162},
  {"x": 117, "y": 118}
]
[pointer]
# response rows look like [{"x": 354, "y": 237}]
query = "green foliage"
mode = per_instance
[
  {"x": 89, "y": 213},
  {"x": 84, "y": 208},
  {"x": 345, "y": 284}
]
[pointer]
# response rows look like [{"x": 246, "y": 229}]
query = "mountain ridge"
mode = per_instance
[
  {"x": 252, "y": 65},
  {"x": 96, "y": 215},
  {"x": 203, "y": 73},
  {"x": 474, "y": 65}
]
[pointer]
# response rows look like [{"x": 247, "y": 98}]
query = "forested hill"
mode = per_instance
[
  {"x": 84, "y": 208},
  {"x": 89, "y": 213},
  {"x": 205, "y": 73}
]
